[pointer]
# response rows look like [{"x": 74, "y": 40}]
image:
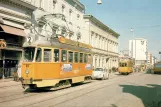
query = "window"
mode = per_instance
[
  {"x": 78, "y": 16},
  {"x": 29, "y": 54},
  {"x": 98, "y": 69},
  {"x": 38, "y": 55},
  {"x": 64, "y": 56},
  {"x": 81, "y": 58},
  {"x": 70, "y": 15},
  {"x": 85, "y": 58},
  {"x": 47, "y": 55},
  {"x": 76, "y": 57},
  {"x": 89, "y": 58},
  {"x": 63, "y": 9},
  {"x": 70, "y": 56},
  {"x": 54, "y": 4},
  {"x": 56, "y": 55},
  {"x": 120, "y": 64},
  {"x": 123, "y": 64}
]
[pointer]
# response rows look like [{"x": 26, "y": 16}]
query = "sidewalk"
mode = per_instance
[{"x": 8, "y": 82}]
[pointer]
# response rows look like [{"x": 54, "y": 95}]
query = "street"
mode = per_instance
[{"x": 134, "y": 90}]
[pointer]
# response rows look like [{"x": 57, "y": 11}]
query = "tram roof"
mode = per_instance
[{"x": 58, "y": 44}]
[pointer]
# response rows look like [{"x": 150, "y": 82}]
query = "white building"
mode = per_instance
[
  {"x": 149, "y": 59},
  {"x": 104, "y": 42},
  {"x": 48, "y": 17},
  {"x": 138, "y": 50},
  {"x": 58, "y": 17},
  {"x": 154, "y": 60}
]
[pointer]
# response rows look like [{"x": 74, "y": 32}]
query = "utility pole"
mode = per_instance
[
  {"x": 160, "y": 56},
  {"x": 133, "y": 47}
]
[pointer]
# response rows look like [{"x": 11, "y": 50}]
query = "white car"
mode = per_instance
[{"x": 100, "y": 73}]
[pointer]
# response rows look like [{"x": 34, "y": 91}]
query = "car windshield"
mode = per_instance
[
  {"x": 157, "y": 65},
  {"x": 98, "y": 69},
  {"x": 29, "y": 54}
]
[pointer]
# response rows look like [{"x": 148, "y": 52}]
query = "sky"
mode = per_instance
[{"x": 144, "y": 16}]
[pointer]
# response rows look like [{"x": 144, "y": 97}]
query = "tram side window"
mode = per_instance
[
  {"x": 76, "y": 57},
  {"x": 89, "y": 58},
  {"x": 125, "y": 64},
  {"x": 38, "y": 55},
  {"x": 56, "y": 55},
  {"x": 120, "y": 64},
  {"x": 70, "y": 56},
  {"x": 64, "y": 56},
  {"x": 85, "y": 58},
  {"x": 47, "y": 55},
  {"x": 81, "y": 58}
]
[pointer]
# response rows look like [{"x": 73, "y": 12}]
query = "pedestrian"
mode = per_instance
[
  {"x": 93, "y": 68},
  {"x": 15, "y": 74},
  {"x": 19, "y": 69}
]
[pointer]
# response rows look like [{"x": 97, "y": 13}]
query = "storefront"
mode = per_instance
[{"x": 12, "y": 53}]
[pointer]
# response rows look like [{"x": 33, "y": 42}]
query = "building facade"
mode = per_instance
[
  {"x": 14, "y": 16},
  {"x": 139, "y": 50},
  {"x": 154, "y": 60},
  {"x": 72, "y": 22},
  {"x": 20, "y": 19},
  {"x": 104, "y": 42}
]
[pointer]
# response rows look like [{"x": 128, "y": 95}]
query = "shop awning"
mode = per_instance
[
  {"x": 13, "y": 30},
  {"x": 13, "y": 49}
]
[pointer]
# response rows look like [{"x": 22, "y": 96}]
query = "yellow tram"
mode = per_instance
[
  {"x": 126, "y": 66},
  {"x": 56, "y": 65},
  {"x": 157, "y": 68}
]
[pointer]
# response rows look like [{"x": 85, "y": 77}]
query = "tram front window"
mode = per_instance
[{"x": 29, "y": 54}]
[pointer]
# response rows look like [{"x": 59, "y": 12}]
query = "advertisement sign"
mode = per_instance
[
  {"x": 88, "y": 66},
  {"x": 2, "y": 44},
  {"x": 66, "y": 67}
]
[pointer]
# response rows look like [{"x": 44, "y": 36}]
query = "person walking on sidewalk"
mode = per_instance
[{"x": 19, "y": 69}]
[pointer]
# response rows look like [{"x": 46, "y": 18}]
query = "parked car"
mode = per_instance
[{"x": 100, "y": 73}]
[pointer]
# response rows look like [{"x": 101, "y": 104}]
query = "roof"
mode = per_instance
[{"x": 103, "y": 26}]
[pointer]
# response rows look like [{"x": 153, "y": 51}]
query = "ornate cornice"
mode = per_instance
[
  {"x": 101, "y": 25},
  {"x": 20, "y": 4},
  {"x": 15, "y": 14},
  {"x": 26, "y": 16}
]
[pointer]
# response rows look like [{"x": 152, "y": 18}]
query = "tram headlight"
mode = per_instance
[{"x": 27, "y": 71}]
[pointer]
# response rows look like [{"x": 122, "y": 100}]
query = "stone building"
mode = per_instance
[
  {"x": 14, "y": 16},
  {"x": 20, "y": 18},
  {"x": 104, "y": 41}
]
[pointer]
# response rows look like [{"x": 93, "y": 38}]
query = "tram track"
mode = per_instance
[
  {"x": 86, "y": 93},
  {"x": 27, "y": 94},
  {"x": 77, "y": 96}
]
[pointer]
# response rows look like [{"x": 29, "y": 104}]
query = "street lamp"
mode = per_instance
[
  {"x": 99, "y": 2},
  {"x": 133, "y": 45}
]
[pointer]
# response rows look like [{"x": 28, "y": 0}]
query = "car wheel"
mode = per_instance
[{"x": 103, "y": 78}]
